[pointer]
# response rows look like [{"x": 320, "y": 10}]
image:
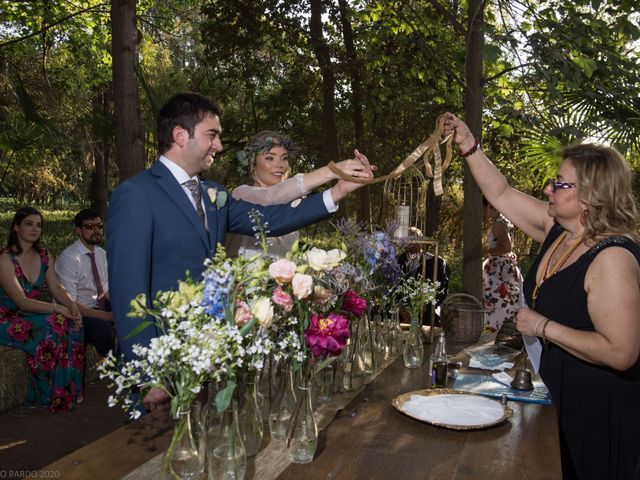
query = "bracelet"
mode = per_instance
[
  {"x": 472, "y": 150},
  {"x": 538, "y": 324},
  {"x": 544, "y": 331}
]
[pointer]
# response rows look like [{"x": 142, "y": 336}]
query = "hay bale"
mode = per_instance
[
  {"x": 14, "y": 378},
  {"x": 14, "y": 375}
]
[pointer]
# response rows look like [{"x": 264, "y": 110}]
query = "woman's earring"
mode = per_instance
[{"x": 583, "y": 217}]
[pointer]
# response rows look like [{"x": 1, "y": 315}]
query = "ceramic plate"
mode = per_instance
[{"x": 452, "y": 409}]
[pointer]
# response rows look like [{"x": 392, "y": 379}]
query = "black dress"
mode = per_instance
[{"x": 598, "y": 407}]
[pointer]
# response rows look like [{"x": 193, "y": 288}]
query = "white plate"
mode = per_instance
[{"x": 452, "y": 409}]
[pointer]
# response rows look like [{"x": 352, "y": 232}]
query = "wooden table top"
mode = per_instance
[{"x": 367, "y": 439}]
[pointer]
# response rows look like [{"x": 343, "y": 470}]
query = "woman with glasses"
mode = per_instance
[
  {"x": 584, "y": 297},
  {"x": 50, "y": 334}
]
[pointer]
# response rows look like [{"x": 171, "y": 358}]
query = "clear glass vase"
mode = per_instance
[
  {"x": 353, "y": 358},
  {"x": 249, "y": 416},
  {"x": 283, "y": 404},
  {"x": 183, "y": 459},
  {"x": 369, "y": 349},
  {"x": 413, "y": 352},
  {"x": 325, "y": 384},
  {"x": 395, "y": 334},
  {"x": 302, "y": 438},
  {"x": 227, "y": 459}
]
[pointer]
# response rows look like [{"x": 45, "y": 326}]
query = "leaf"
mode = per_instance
[
  {"x": 491, "y": 52},
  {"x": 141, "y": 326},
  {"x": 223, "y": 398}
]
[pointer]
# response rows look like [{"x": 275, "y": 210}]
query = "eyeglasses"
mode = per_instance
[
  {"x": 555, "y": 185},
  {"x": 93, "y": 226}
]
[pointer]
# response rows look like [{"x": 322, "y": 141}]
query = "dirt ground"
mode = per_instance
[{"x": 39, "y": 437}]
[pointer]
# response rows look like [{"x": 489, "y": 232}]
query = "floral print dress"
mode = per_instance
[
  {"x": 502, "y": 283},
  {"x": 53, "y": 345}
]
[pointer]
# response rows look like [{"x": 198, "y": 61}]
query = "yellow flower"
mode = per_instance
[{"x": 213, "y": 193}]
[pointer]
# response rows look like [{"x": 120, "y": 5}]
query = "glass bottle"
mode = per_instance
[
  {"x": 303, "y": 431},
  {"x": 396, "y": 332},
  {"x": 249, "y": 416},
  {"x": 182, "y": 459},
  {"x": 354, "y": 372},
  {"x": 283, "y": 404},
  {"x": 413, "y": 352},
  {"x": 369, "y": 351},
  {"x": 228, "y": 460},
  {"x": 439, "y": 364},
  {"x": 324, "y": 384}
]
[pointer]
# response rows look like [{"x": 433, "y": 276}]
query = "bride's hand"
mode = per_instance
[{"x": 354, "y": 168}]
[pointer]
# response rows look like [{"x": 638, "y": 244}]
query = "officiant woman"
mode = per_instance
[{"x": 584, "y": 298}]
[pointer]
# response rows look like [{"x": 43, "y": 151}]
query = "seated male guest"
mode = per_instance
[{"x": 82, "y": 269}]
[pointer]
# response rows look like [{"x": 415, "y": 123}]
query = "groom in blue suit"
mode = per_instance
[{"x": 165, "y": 220}]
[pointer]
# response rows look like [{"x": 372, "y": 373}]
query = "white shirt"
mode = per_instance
[
  {"x": 181, "y": 177},
  {"x": 73, "y": 268}
]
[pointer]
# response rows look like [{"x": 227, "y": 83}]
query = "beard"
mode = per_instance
[{"x": 94, "y": 240}]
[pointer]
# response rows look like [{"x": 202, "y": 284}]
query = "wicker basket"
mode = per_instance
[{"x": 462, "y": 318}]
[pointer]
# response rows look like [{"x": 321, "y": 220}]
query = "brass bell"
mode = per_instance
[{"x": 522, "y": 380}]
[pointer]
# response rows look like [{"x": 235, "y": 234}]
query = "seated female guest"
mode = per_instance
[
  {"x": 584, "y": 297},
  {"x": 267, "y": 158},
  {"x": 50, "y": 334}
]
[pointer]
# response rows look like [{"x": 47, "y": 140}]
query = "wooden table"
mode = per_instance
[{"x": 367, "y": 439}]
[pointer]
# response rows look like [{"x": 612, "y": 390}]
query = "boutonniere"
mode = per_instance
[{"x": 218, "y": 198}]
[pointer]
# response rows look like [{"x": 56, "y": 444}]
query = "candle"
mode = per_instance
[{"x": 402, "y": 214}]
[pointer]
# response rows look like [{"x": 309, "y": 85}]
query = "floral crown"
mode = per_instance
[{"x": 247, "y": 156}]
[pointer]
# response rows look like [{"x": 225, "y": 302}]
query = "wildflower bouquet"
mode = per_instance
[
  {"x": 190, "y": 351},
  {"x": 414, "y": 292}
]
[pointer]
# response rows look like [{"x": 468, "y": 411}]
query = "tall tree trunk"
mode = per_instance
[
  {"x": 130, "y": 156},
  {"x": 472, "y": 208},
  {"x": 321, "y": 50},
  {"x": 364, "y": 214},
  {"x": 101, "y": 141}
]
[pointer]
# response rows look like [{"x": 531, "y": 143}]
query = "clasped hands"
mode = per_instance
[{"x": 358, "y": 167}]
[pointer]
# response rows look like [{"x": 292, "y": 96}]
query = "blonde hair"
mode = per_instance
[{"x": 605, "y": 185}]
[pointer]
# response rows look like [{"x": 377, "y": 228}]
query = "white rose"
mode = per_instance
[
  {"x": 334, "y": 258},
  {"x": 317, "y": 259},
  {"x": 263, "y": 310},
  {"x": 301, "y": 284}
]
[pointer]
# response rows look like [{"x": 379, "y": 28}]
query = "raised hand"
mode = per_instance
[{"x": 462, "y": 135}]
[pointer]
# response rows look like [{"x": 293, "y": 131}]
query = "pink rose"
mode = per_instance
[
  {"x": 242, "y": 314},
  {"x": 282, "y": 270},
  {"x": 301, "y": 284},
  {"x": 282, "y": 298}
]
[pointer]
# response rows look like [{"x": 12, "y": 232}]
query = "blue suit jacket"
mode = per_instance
[{"x": 154, "y": 236}]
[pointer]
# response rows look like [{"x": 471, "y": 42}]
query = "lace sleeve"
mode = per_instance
[{"x": 283, "y": 192}]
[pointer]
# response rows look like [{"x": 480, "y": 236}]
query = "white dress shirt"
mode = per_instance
[{"x": 73, "y": 268}]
